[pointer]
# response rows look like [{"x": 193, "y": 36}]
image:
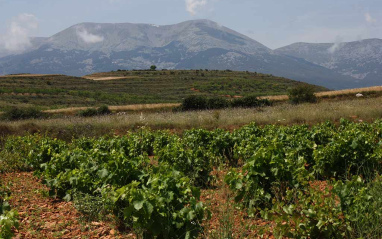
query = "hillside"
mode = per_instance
[
  {"x": 135, "y": 87},
  {"x": 87, "y": 48},
  {"x": 361, "y": 60}
]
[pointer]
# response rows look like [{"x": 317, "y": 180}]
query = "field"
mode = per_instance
[
  {"x": 369, "y": 91},
  {"x": 134, "y": 87},
  {"x": 67, "y": 127},
  {"x": 308, "y": 170},
  {"x": 273, "y": 181}
]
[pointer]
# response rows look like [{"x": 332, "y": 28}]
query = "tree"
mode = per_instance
[
  {"x": 153, "y": 67},
  {"x": 301, "y": 94}
]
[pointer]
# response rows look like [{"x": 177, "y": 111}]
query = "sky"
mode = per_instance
[{"x": 274, "y": 23}]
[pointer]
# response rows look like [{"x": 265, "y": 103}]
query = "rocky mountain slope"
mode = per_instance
[{"x": 361, "y": 60}]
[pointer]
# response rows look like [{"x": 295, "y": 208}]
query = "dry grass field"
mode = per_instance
[
  {"x": 326, "y": 94},
  {"x": 358, "y": 109}
]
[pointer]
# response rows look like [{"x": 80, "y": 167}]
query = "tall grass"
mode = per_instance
[{"x": 284, "y": 114}]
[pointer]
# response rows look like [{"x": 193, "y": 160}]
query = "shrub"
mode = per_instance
[
  {"x": 103, "y": 110},
  {"x": 250, "y": 101},
  {"x": 217, "y": 103},
  {"x": 88, "y": 112},
  {"x": 301, "y": 94},
  {"x": 194, "y": 102},
  {"x": 22, "y": 113}
]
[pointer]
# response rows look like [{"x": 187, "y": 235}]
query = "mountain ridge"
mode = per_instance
[{"x": 361, "y": 60}]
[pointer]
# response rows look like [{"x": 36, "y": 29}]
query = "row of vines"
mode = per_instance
[{"x": 313, "y": 182}]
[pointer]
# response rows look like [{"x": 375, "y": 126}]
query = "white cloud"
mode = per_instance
[
  {"x": 17, "y": 37},
  {"x": 336, "y": 46},
  {"x": 369, "y": 18},
  {"x": 193, "y": 5},
  {"x": 89, "y": 37}
]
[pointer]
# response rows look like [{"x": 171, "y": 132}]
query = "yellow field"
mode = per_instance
[
  {"x": 28, "y": 75},
  {"x": 119, "y": 108},
  {"x": 110, "y": 78},
  {"x": 329, "y": 93}
]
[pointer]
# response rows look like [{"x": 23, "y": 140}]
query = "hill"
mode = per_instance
[
  {"x": 135, "y": 87},
  {"x": 199, "y": 44}
]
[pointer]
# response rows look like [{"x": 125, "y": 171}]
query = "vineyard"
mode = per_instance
[{"x": 319, "y": 181}]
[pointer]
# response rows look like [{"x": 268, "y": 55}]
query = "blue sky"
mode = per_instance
[{"x": 274, "y": 23}]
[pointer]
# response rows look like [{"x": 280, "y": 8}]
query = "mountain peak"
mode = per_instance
[{"x": 194, "y": 35}]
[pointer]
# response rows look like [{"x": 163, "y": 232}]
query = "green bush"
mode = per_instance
[
  {"x": 301, "y": 94},
  {"x": 217, "y": 103},
  {"x": 202, "y": 103},
  {"x": 250, "y": 102},
  {"x": 103, "y": 110},
  {"x": 22, "y": 113},
  {"x": 194, "y": 102},
  {"x": 88, "y": 112}
]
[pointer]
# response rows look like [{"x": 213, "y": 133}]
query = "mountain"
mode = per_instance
[
  {"x": 200, "y": 44},
  {"x": 361, "y": 60}
]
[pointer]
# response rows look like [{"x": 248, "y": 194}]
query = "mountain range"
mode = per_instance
[{"x": 199, "y": 44}]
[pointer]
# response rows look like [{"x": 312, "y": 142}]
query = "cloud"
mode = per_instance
[
  {"x": 89, "y": 37},
  {"x": 336, "y": 46},
  {"x": 369, "y": 18},
  {"x": 193, "y": 5},
  {"x": 17, "y": 36}
]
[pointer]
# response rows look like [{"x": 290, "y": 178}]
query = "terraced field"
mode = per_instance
[{"x": 135, "y": 87}]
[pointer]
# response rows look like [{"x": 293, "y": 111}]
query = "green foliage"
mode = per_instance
[
  {"x": 310, "y": 213},
  {"x": 217, "y": 103},
  {"x": 115, "y": 175},
  {"x": 302, "y": 94},
  {"x": 149, "y": 179},
  {"x": 250, "y": 102},
  {"x": 164, "y": 207},
  {"x": 351, "y": 151},
  {"x": 103, "y": 110},
  {"x": 193, "y": 162},
  {"x": 279, "y": 163},
  {"x": 153, "y": 67},
  {"x": 8, "y": 218},
  {"x": 362, "y": 206},
  {"x": 15, "y": 113},
  {"x": 88, "y": 112},
  {"x": 194, "y": 102}
]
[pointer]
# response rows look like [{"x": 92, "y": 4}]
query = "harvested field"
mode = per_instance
[
  {"x": 329, "y": 93},
  {"x": 109, "y": 78},
  {"x": 28, "y": 75},
  {"x": 138, "y": 107}
]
